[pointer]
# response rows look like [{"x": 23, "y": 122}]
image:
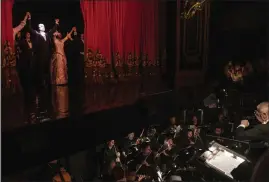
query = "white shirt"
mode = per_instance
[
  {"x": 43, "y": 34},
  {"x": 266, "y": 122}
]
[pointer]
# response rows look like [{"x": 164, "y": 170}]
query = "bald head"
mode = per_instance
[
  {"x": 263, "y": 112},
  {"x": 263, "y": 107}
]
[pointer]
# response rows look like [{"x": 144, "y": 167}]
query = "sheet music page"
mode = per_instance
[{"x": 225, "y": 162}]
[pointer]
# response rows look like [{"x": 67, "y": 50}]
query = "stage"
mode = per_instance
[{"x": 30, "y": 106}]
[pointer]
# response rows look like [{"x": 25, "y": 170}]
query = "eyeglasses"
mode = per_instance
[{"x": 257, "y": 113}]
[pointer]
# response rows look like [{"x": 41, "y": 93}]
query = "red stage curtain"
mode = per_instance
[
  {"x": 121, "y": 26},
  {"x": 97, "y": 26},
  {"x": 6, "y": 22}
]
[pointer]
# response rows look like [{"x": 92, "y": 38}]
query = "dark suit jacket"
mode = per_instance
[{"x": 258, "y": 132}]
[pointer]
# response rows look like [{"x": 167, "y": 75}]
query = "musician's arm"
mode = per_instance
[
  {"x": 68, "y": 36},
  {"x": 145, "y": 163},
  {"x": 29, "y": 27}
]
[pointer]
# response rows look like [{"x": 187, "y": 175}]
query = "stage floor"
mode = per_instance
[{"x": 31, "y": 107}]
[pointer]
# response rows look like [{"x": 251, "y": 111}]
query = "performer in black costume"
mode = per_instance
[
  {"x": 43, "y": 51},
  {"x": 75, "y": 58},
  {"x": 26, "y": 61}
]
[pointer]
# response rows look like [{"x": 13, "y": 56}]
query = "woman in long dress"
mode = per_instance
[
  {"x": 58, "y": 62},
  {"x": 10, "y": 80}
]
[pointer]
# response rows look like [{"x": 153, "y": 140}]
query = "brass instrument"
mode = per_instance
[{"x": 159, "y": 152}]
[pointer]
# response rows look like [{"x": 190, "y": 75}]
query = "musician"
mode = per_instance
[
  {"x": 197, "y": 132},
  {"x": 173, "y": 123},
  {"x": 153, "y": 136},
  {"x": 172, "y": 128},
  {"x": 260, "y": 131},
  {"x": 110, "y": 155},
  {"x": 145, "y": 161},
  {"x": 195, "y": 121},
  {"x": 145, "y": 152},
  {"x": 166, "y": 153},
  {"x": 128, "y": 142},
  {"x": 168, "y": 145},
  {"x": 110, "y": 152},
  {"x": 221, "y": 127},
  {"x": 191, "y": 139},
  {"x": 195, "y": 125}
]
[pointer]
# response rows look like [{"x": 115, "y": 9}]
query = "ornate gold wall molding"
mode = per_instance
[
  {"x": 192, "y": 44},
  {"x": 194, "y": 38}
]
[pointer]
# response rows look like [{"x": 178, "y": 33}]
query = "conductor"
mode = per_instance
[{"x": 260, "y": 131}]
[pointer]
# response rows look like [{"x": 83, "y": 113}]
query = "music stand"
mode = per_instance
[{"x": 222, "y": 159}]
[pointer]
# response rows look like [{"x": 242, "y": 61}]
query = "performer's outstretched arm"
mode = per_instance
[
  {"x": 54, "y": 29},
  {"x": 68, "y": 35},
  {"x": 21, "y": 25},
  {"x": 29, "y": 26}
]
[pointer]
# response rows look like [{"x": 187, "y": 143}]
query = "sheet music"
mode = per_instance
[{"x": 225, "y": 161}]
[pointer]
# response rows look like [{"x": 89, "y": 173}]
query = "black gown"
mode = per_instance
[
  {"x": 75, "y": 60},
  {"x": 25, "y": 64}
]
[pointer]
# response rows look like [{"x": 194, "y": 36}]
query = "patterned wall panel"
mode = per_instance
[{"x": 193, "y": 38}]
